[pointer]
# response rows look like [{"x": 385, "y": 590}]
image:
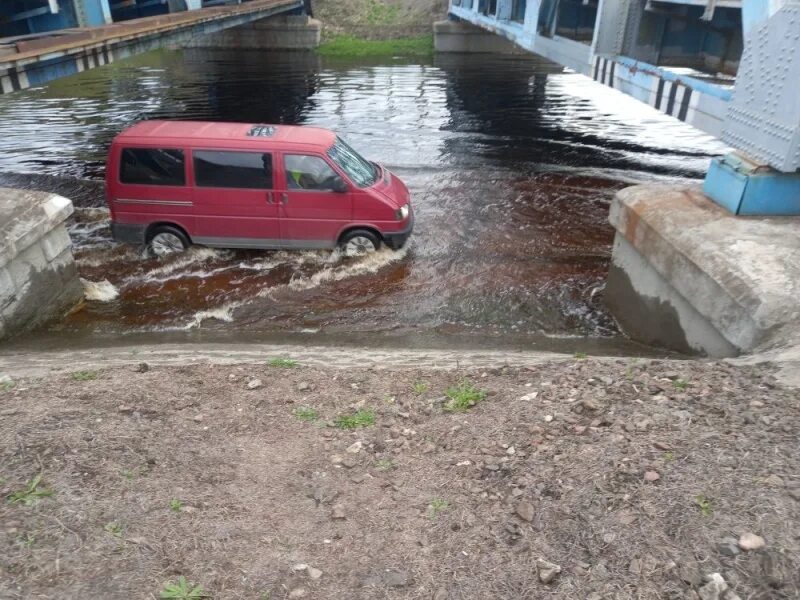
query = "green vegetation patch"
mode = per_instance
[
  {"x": 31, "y": 494},
  {"x": 362, "y": 418},
  {"x": 182, "y": 590},
  {"x": 306, "y": 413},
  {"x": 282, "y": 363},
  {"x": 345, "y": 46},
  {"x": 84, "y": 375},
  {"x": 463, "y": 397}
]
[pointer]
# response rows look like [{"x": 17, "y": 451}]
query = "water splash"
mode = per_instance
[{"x": 99, "y": 291}]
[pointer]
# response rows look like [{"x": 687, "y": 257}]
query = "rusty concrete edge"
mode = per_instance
[
  {"x": 46, "y": 215},
  {"x": 664, "y": 253}
]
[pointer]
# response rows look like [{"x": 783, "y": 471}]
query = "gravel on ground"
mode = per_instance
[{"x": 582, "y": 478}]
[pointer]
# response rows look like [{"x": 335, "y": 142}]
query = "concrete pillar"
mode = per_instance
[
  {"x": 38, "y": 277},
  {"x": 293, "y": 32},
  {"x": 689, "y": 276},
  {"x": 457, "y": 36}
]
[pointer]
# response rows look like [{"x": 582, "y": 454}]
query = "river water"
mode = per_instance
[{"x": 511, "y": 163}]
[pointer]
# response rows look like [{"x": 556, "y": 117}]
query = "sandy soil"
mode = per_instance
[{"x": 629, "y": 475}]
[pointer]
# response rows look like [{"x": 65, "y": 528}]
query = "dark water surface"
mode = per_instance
[{"x": 511, "y": 163}]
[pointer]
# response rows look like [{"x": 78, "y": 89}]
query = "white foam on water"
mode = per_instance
[
  {"x": 221, "y": 313},
  {"x": 337, "y": 271},
  {"x": 181, "y": 261},
  {"x": 99, "y": 291}
]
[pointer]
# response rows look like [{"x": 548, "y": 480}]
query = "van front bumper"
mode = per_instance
[
  {"x": 128, "y": 233},
  {"x": 397, "y": 239}
]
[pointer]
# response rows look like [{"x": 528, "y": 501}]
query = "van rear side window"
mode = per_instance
[
  {"x": 152, "y": 166},
  {"x": 225, "y": 169}
]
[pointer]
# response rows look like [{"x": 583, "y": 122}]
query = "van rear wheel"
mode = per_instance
[
  {"x": 165, "y": 240},
  {"x": 359, "y": 242}
]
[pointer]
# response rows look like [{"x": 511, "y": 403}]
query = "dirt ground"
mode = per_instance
[{"x": 636, "y": 478}]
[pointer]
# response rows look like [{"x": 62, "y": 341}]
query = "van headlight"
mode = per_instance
[{"x": 402, "y": 213}]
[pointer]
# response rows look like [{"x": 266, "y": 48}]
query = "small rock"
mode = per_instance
[
  {"x": 349, "y": 461},
  {"x": 548, "y": 418},
  {"x": 396, "y": 578},
  {"x": 525, "y": 511},
  {"x": 198, "y": 418},
  {"x": 728, "y": 547},
  {"x": 774, "y": 481},
  {"x": 355, "y": 447},
  {"x": 142, "y": 367},
  {"x": 547, "y": 571},
  {"x": 337, "y": 459},
  {"x": 303, "y": 386},
  {"x": 662, "y": 446},
  {"x": 751, "y": 541},
  {"x": 590, "y": 404},
  {"x": 297, "y": 593},
  {"x": 124, "y": 408},
  {"x": 300, "y": 567},
  {"x": 337, "y": 512},
  {"x": 714, "y": 589},
  {"x": 529, "y": 397},
  {"x": 441, "y": 594},
  {"x": 651, "y": 476},
  {"x": 314, "y": 573},
  {"x": 254, "y": 384}
]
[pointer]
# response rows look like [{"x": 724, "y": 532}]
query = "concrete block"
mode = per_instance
[
  {"x": 683, "y": 263},
  {"x": 457, "y": 36},
  {"x": 55, "y": 243},
  {"x": 38, "y": 276},
  {"x": 276, "y": 33}
]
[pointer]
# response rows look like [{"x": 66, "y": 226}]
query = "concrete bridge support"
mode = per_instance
[
  {"x": 462, "y": 37},
  {"x": 38, "y": 277},
  {"x": 285, "y": 32}
]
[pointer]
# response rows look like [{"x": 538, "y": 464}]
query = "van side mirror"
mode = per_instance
[{"x": 339, "y": 186}]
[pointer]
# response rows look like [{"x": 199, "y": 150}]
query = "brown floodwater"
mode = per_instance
[{"x": 511, "y": 163}]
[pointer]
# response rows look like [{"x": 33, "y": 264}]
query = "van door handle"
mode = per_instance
[{"x": 285, "y": 198}]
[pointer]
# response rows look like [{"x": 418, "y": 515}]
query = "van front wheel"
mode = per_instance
[
  {"x": 359, "y": 242},
  {"x": 165, "y": 240}
]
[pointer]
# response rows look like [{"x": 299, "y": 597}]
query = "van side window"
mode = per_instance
[
  {"x": 309, "y": 173},
  {"x": 152, "y": 166},
  {"x": 217, "y": 168}
]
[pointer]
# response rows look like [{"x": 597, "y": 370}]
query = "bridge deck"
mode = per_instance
[{"x": 31, "y": 60}]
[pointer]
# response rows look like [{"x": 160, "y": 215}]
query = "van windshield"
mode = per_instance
[{"x": 361, "y": 172}]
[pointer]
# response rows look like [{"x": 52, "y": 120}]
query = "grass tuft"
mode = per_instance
[
  {"x": 345, "y": 46},
  {"x": 31, "y": 494},
  {"x": 436, "y": 506},
  {"x": 84, "y": 375},
  {"x": 306, "y": 413},
  {"x": 175, "y": 505},
  {"x": 282, "y": 363},
  {"x": 420, "y": 387},
  {"x": 361, "y": 418},
  {"x": 463, "y": 397},
  {"x": 182, "y": 590}
]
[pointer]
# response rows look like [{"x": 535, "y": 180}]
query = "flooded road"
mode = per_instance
[{"x": 511, "y": 165}]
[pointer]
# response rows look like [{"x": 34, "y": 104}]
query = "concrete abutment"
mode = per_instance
[
  {"x": 460, "y": 36},
  {"x": 290, "y": 32},
  {"x": 689, "y": 276},
  {"x": 38, "y": 276}
]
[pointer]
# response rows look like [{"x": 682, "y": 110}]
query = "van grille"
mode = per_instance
[{"x": 261, "y": 131}]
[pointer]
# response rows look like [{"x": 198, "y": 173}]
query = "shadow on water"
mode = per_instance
[{"x": 512, "y": 165}]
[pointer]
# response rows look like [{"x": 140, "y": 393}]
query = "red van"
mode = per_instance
[{"x": 171, "y": 184}]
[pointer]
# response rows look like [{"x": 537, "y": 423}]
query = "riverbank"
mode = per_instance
[{"x": 276, "y": 477}]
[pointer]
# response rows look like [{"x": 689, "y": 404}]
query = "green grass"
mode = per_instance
[
  {"x": 175, "y": 505},
  {"x": 378, "y": 13},
  {"x": 345, "y": 46},
  {"x": 282, "y": 363},
  {"x": 31, "y": 494},
  {"x": 114, "y": 528},
  {"x": 361, "y": 418},
  {"x": 704, "y": 504},
  {"x": 463, "y": 397},
  {"x": 436, "y": 506},
  {"x": 680, "y": 384},
  {"x": 182, "y": 590},
  {"x": 581, "y": 355},
  {"x": 384, "y": 464},
  {"x": 84, "y": 375},
  {"x": 420, "y": 387},
  {"x": 306, "y": 413},
  {"x": 7, "y": 384}
]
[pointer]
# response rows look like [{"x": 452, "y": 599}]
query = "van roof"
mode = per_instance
[{"x": 151, "y": 131}]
